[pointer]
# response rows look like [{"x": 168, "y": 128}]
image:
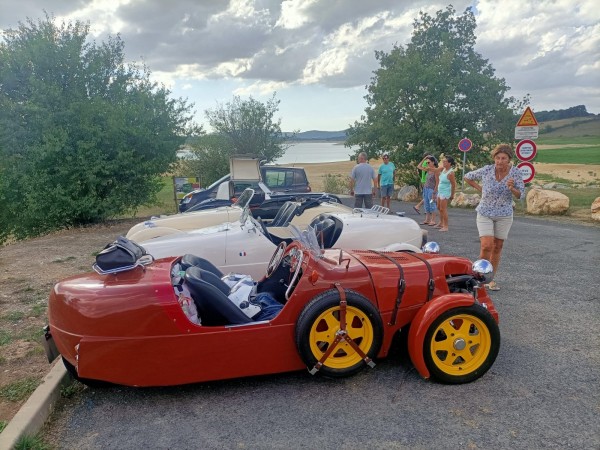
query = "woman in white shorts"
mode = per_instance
[{"x": 499, "y": 183}]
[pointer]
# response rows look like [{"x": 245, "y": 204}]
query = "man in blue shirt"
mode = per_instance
[{"x": 386, "y": 180}]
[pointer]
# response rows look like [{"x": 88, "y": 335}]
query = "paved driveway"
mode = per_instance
[{"x": 542, "y": 392}]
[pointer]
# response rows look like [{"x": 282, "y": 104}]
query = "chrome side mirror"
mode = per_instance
[
  {"x": 483, "y": 269},
  {"x": 431, "y": 247}
]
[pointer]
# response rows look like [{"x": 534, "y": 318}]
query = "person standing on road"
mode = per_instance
[
  {"x": 385, "y": 179},
  {"x": 430, "y": 165},
  {"x": 360, "y": 183},
  {"x": 446, "y": 186},
  {"x": 423, "y": 175},
  {"x": 499, "y": 183}
]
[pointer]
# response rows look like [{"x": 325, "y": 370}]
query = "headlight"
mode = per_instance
[
  {"x": 431, "y": 247},
  {"x": 484, "y": 269}
]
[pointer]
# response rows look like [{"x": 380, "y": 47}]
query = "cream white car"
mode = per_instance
[{"x": 246, "y": 245}]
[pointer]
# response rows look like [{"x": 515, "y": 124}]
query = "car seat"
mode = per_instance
[
  {"x": 210, "y": 295},
  {"x": 284, "y": 215},
  {"x": 324, "y": 230},
  {"x": 189, "y": 260}
]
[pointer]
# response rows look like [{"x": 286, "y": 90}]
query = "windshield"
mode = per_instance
[
  {"x": 244, "y": 198},
  {"x": 308, "y": 238},
  {"x": 245, "y": 214}
]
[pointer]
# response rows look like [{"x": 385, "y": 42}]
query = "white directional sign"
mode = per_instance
[{"x": 531, "y": 132}]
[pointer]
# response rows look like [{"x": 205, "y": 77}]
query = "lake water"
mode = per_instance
[{"x": 315, "y": 152}]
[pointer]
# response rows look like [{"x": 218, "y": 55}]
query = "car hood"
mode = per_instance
[{"x": 157, "y": 227}]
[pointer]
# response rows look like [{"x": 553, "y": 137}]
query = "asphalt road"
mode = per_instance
[{"x": 542, "y": 392}]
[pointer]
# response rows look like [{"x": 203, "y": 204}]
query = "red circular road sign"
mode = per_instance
[
  {"x": 465, "y": 145},
  {"x": 527, "y": 171},
  {"x": 526, "y": 150}
]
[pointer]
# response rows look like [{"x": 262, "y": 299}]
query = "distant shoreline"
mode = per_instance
[{"x": 316, "y": 141}]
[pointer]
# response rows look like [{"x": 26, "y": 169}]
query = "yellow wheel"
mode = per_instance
[
  {"x": 461, "y": 344},
  {"x": 320, "y": 321}
]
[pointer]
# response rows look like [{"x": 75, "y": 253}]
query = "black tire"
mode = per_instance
[
  {"x": 314, "y": 334},
  {"x": 461, "y": 344}
]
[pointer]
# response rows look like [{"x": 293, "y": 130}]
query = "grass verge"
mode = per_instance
[{"x": 19, "y": 390}]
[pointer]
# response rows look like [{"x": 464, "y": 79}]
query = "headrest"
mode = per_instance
[
  {"x": 324, "y": 224},
  {"x": 196, "y": 275}
]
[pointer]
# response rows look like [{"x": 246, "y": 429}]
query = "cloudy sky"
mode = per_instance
[{"x": 318, "y": 55}]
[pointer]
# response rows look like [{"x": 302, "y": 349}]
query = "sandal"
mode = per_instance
[
  {"x": 493, "y": 286},
  {"x": 417, "y": 210}
]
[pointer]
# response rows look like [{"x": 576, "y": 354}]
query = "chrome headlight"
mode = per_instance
[
  {"x": 484, "y": 269},
  {"x": 431, "y": 247}
]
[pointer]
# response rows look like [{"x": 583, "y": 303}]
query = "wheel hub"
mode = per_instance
[{"x": 459, "y": 344}]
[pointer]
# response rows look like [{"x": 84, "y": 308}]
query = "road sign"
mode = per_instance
[
  {"x": 526, "y": 132},
  {"x": 527, "y": 171},
  {"x": 465, "y": 145},
  {"x": 526, "y": 150},
  {"x": 527, "y": 126},
  {"x": 527, "y": 119}
]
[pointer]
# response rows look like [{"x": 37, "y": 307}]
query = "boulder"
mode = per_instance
[
  {"x": 408, "y": 194},
  {"x": 596, "y": 209},
  {"x": 466, "y": 200},
  {"x": 542, "y": 201}
]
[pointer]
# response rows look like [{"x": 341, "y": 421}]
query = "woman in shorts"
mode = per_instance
[
  {"x": 446, "y": 186},
  {"x": 498, "y": 183}
]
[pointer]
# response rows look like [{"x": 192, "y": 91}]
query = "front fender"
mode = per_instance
[{"x": 424, "y": 318}]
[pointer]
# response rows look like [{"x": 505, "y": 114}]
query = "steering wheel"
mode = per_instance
[
  {"x": 297, "y": 256},
  {"x": 276, "y": 258}
]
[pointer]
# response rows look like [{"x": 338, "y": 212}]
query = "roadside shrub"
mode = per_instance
[{"x": 335, "y": 184}]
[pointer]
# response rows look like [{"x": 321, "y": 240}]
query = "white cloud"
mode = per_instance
[
  {"x": 546, "y": 47},
  {"x": 294, "y": 13}
]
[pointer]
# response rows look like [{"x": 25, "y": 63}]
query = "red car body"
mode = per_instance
[{"x": 128, "y": 328}]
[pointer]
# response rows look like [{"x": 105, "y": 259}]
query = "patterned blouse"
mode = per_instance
[{"x": 496, "y": 198}]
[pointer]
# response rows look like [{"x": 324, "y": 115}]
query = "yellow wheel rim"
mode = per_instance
[
  {"x": 460, "y": 344},
  {"x": 324, "y": 328}
]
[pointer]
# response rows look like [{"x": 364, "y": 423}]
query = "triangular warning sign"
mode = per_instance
[{"x": 527, "y": 119}]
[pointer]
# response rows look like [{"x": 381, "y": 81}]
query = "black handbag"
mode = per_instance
[{"x": 121, "y": 254}]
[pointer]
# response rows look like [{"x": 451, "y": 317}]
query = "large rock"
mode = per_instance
[
  {"x": 466, "y": 200},
  {"x": 541, "y": 201},
  {"x": 408, "y": 194},
  {"x": 596, "y": 209}
]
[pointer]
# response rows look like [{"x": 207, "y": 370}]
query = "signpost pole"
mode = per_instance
[
  {"x": 464, "y": 146},
  {"x": 463, "y": 170}
]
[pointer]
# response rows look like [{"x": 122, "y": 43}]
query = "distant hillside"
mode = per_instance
[
  {"x": 315, "y": 135},
  {"x": 557, "y": 114},
  {"x": 575, "y": 127}
]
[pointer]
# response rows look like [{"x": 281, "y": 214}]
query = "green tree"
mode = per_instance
[
  {"x": 428, "y": 95},
  {"x": 211, "y": 158},
  {"x": 250, "y": 127},
  {"x": 83, "y": 135}
]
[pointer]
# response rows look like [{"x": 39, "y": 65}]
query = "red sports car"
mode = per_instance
[{"x": 179, "y": 320}]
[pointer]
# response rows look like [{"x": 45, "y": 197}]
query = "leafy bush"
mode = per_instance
[
  {"x": 83, "y": 136},
  {"x": 335, "y": 184}
]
